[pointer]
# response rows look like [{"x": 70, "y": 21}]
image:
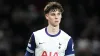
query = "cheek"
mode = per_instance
[
  {"x": 51, "y": 18},
  {"x": 60, "y": 17}
]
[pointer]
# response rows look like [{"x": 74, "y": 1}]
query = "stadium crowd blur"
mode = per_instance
[{"x": 19, "y": 18}]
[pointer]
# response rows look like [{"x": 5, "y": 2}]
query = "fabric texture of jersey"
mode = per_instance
[{"x": 41, "y": 43}]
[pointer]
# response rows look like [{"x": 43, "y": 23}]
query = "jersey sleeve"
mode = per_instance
[
  {"x": 30, "y": 50},
  {"x": 70, "y": 48}
]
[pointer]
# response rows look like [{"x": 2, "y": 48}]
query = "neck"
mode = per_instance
[{"x": 52, "y": 30}]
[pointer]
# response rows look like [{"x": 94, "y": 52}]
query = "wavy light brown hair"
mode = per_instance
[{"x": 53, "y": 6}]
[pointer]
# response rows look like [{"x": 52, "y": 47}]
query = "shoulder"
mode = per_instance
[
  {"x": 65, "y": 35},
  {"x": 40, "y": 31}
]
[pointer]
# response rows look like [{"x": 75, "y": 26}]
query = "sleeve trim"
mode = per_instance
[{"x": 31, "y": 51}]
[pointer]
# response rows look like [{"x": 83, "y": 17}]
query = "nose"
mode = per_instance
[{"x": 56, "y": 17}]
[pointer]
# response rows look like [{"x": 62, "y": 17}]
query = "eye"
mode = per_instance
[
  {"x": 52, "y": 14},
  {"x": 59, "y": 13}
]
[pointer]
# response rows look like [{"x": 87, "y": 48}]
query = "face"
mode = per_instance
[{"x": 54, "y": 17}]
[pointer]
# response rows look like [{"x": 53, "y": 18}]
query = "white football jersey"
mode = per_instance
[{"x": 42, "y": 43}]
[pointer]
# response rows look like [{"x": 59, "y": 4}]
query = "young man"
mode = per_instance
[{"x": 51, "y": 41}]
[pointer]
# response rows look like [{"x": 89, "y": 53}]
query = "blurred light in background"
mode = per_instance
[{"x": 19, "y": 18}]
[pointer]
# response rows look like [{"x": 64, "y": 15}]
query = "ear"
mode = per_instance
[{"x": 46, "y": 16}]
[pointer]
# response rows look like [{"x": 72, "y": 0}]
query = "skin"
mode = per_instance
[{"x": 54, "y": 19}]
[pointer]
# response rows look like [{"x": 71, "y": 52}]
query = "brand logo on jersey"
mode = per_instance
[
  {"x": 49, "y": 54},
  {"x": 41, "y": 43}
]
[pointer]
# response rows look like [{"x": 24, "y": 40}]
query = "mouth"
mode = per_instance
[{"x": 56, "y": 21}]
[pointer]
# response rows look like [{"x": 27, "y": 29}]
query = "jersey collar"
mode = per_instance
[{"x": 50, "y": 34}]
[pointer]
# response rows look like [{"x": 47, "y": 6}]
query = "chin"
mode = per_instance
[{"x": 55, "y": 25}]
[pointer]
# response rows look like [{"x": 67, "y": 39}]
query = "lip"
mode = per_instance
[{"x": 56, "y": 21}]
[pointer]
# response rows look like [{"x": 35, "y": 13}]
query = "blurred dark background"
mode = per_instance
[{"x": 19, "y": 18}]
